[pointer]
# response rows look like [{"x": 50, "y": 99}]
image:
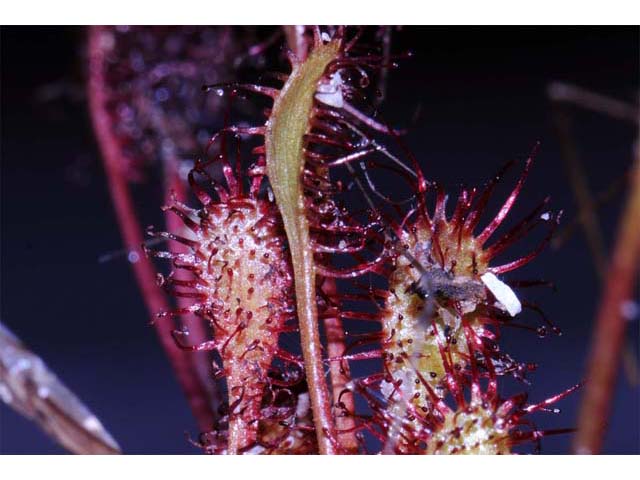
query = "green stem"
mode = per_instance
[{"x": 284, "y": 136}]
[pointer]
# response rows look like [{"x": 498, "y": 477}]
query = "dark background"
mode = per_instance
[{"x": 482, "y": 98}]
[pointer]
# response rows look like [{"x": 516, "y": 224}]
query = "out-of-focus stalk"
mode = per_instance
[
  {"x": 610, "y": 325},
  {"x": 130, "y": 229}
]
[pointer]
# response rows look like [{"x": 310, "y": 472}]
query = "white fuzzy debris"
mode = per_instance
[
  {"x": 325, "y": 37},
  {"x": 330, "y": 93},
  {"x": 545, "y": 216},
  {"x": 503, "y": 293}
]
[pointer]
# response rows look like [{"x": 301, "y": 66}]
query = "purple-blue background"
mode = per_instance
[{"x": 483, "y": 101}]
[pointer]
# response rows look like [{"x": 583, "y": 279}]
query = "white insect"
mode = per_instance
[{"x": 503, "y": 293}]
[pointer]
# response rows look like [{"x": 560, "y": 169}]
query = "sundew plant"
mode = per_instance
[{"x": 315, "y": 287}]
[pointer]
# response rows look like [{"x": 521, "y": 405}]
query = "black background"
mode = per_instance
[{"x": 482, "y": 96}]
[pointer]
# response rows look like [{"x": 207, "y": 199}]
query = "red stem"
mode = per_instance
[
  {"x": 340, "y": 377},
  {"x": 154, "y": 299},
  {"x": 610, "y": 326}
]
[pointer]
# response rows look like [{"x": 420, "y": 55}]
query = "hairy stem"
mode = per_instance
[
  {"x": 285, "y": 162},
  {"x": 610, "y": 326},
  {"x": 154, "y": 299}
]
